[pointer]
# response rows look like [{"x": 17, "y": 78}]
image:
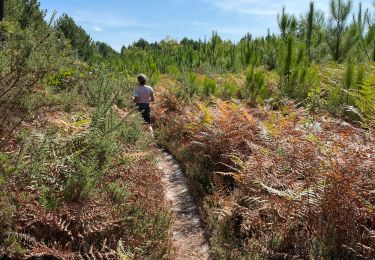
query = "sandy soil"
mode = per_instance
[{"x": 187, "y": 232}]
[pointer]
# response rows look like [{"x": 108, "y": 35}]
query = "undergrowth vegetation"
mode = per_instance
[
  {"x": 275, "y": 133},
  {"x": 78, "y": 177},
  {"x": 276, "y": 184},
  {"x": 79, "y": 186}
]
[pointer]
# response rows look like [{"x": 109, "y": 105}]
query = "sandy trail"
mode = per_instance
[{"x": 187, "y": 232}]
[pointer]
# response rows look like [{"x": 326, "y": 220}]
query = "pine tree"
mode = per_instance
[
  {"x": 77, "y": 36},
  {"x": 370, "y": 37},
  {"x": 255, "y": 81},
  {"x": 246, "y": 51},
  {"x": 287, "y": 24},
  {"x": 310, "y": 28},
  {"x": 337, "y": 29},
  {"x": 214, "y": 45},
  {"x": 293, "y": 69}
]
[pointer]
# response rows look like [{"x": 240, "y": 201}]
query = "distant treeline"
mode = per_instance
[{"x": 318, "y": 37}]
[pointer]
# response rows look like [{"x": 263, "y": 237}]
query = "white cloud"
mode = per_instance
[
  {"x": 273, "y": 7},
  {"x": 256, "y": 7},
  {"x": 97, "y": 29}
]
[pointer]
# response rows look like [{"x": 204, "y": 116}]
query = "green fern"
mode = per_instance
[{"x": 365, "y": 102}]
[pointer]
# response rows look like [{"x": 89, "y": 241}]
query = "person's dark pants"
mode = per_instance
[{"x": 144, "y": 108}]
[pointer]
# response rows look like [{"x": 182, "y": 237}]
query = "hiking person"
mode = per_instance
[{"x": 142, "y": 96}]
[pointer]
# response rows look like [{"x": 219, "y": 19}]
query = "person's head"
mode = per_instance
[{"x": 142, "y": 79}]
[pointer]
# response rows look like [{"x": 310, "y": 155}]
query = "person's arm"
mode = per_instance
[
  {"x": 135, "y": 96},
  {"x": 152, "y": 99}
]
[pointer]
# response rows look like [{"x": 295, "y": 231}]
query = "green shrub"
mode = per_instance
[
  {"x": 30, "y": 54},
  {"x": 117, "y": 192},
  {"x": 189, "y": 86},
  {"x": 342, "y": 96},
  {"x": 365, "y": 102},
  {"x": 254, "y": 83},
  {"x": 48, "y": 198},
  {"x": 174, "y": 71},
  {"x": 296, "y": 77},
  {"x": 229, "y": 89},
  {"x": 209, "y": 88}
]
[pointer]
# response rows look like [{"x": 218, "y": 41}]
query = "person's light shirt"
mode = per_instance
[{"x": 143, "y": 93}]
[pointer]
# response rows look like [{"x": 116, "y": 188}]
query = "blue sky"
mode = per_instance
[{"x": 121, "y": 22}]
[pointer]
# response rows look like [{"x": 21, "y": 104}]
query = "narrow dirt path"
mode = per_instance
[{"x": 187, "y": 232}]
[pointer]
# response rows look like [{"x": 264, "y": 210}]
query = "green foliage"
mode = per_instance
[
  {"x": 215, "y": 55},
  {"x": 269, "y": 51},
  {"x": 77, "y": 37},
  {"x": 310, "y": 28},
  {"x": 340, "y": 37},
  {"x": 209, "y": 88},
  {"x": 341, "y": 99},
  {"x": 67, "y": 79},
  {"x": 26, "y": 13},
  {"x": 370, "y": 42},
  {"x": 249, "y": 55},
  {"x": 229, "y": 89},
  {"x": 30, "y": 54},
  {"x": 254, "y": 83},
  {"x": 295, "y": 75},
  {"x": 48, "y": 199},
  {"x": 173, "y": 71},
  {"x": 152, "y": 71},
  {"x": 117, "y": 193},
  {"x": 287, "y": 24},
  {"x": 365, "y": 102},
  {"x": 348, "y": 82},
  {"x": 106, "y": 51},
  {"x": 190, "y": 86}
]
